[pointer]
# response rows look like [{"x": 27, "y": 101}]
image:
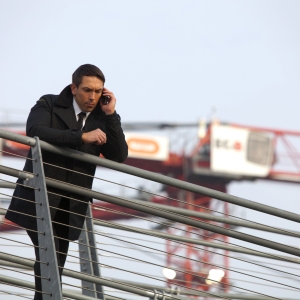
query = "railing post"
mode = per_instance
[
  {"x": 89, "y": 259},
  {"x": 88, "y": 288},
  {"x": 51, "y": 286}
]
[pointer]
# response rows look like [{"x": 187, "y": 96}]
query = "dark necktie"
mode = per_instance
[{"x": 81, "y": 116}]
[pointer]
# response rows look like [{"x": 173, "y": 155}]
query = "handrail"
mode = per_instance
[
  {"x": 171, "y": 213},
  {"x": 124, "y": 284},
  {"x": 205, "y": 216},
  {"x": 183, "y": 239},
  {"x": 147, "y": 208},
  {"x": 153, "y": 176}
]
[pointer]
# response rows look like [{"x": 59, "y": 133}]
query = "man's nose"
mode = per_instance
[{"x": 92, "y": 96}]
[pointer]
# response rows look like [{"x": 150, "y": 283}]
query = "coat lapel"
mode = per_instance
[
  {"x": 67, "y": 115},
  {"x": 64, "y": 108}
]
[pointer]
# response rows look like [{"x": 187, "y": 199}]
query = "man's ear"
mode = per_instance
[{"x": 73, "y": 88}]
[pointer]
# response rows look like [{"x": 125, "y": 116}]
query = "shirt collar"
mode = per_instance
[{"x": 78, "y": 110}]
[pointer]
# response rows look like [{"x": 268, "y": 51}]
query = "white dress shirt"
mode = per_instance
[{"x": 78, "y": 111}]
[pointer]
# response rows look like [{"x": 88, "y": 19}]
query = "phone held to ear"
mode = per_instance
[{"x": 104, "y": 99}]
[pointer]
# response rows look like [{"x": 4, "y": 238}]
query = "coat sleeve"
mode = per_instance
[
  {"x": 116, "y": 147},
  {"x": 39, "y": 123}
]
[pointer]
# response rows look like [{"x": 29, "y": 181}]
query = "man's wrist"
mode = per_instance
[
  {"x": 83, "y": 138},
  {"x": 110, "y": 112},
  {"x": 113, "y": 117}
]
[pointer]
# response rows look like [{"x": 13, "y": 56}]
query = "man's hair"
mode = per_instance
[{"x": 86, "y": 70}]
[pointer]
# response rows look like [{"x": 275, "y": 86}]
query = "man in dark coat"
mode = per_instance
[{"x": 76, "y": 119}]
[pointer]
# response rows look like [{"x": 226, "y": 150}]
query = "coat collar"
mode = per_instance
[
  {"x": 65, "y": 110},
  {"x": 65, "y": 98}
]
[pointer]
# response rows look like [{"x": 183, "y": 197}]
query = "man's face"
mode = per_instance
[{"x": 88, "y": 93}]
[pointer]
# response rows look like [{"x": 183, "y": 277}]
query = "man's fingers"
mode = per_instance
[
  {"x": 100, "y": 137},
  {"x": 109, "y": 93},
  {"x": 97, "y": 137}
]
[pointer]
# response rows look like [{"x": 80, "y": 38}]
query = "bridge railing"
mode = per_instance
[{"x": 90, "y": 281}]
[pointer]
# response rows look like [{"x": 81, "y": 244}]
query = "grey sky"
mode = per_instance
[{"x": 165, "y": 61}]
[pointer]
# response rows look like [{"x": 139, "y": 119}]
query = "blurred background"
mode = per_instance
[{"x": 166, "y": 62}]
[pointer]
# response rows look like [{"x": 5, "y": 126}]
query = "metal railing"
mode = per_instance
[{"x": 93, "y": 283}]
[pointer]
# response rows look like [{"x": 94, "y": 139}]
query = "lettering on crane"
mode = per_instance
[{"x": 227, "y": 144}]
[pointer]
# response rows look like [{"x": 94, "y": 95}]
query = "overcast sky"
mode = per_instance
[{"x": 165, "y": 61}]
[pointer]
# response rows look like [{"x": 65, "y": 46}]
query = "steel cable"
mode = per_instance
[
  {"x": 264, "y": 279},
  {"x": 246, "y": 274},
  {"x": 24, "y": 185},
  {"x": 14, "y": 270},
  {"x": 274, "y": 255},
  {"x": 23, "y": 287},
  {"x": 220, "y": 266},
  {"x": 15, "y": 294},
  {"x": 17, "y": 155},
  {"x": 1, "y": 237},
  {"x": 214, "y": 265},
  {"x": 199, "y": 221},
  {"x": 111, "y": 266},
  {"x": 196, "y": 247},
  {"x": 19, "y": 227},
  {"x": 7, "y": 245},
  {"x": 151, "y": 248},
  {"x": 174, "y": 199},
  {"x": 82, "y": 287},
  {"x": 267, "y": 285},
  {"x": 183, "y": 281},
  {"x": 136, "y": 273},
  {"x": 124, "y": 269},
  {"x": 273, "y": 275},
  {"x": 278, "y": 265},
  {"x": 87, "y": 289},
  {"x": 25, "y": 215},
  {"x": 179, "y": 270},
  {"x": 201, "y": 235},
  {"x": 19, "y": 198}
]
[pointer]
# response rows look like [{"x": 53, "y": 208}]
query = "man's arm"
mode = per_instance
[
  {"x": 39, "y": 124},
  {"x": 98, "y": 137},
  {"x": 115, "y": 147}
]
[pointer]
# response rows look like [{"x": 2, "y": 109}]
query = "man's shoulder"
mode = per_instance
[
  {"x": 64, "y": 99},
  {"x": 48, "y": 100}
]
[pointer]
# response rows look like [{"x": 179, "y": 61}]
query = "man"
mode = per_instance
[{"x": 76, "y": 119}]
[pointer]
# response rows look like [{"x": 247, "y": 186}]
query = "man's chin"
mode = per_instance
[{"x": 89, "y": 108}]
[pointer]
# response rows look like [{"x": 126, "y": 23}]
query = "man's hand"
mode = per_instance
[
  {"x": 97, "y": 137},
  {"x": 109, "y": 108}
]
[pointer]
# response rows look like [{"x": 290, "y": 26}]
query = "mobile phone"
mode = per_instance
[{"x": 104, "y": 99}]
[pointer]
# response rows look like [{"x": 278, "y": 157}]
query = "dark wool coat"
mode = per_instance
[{"x": 53, "y": 120}]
